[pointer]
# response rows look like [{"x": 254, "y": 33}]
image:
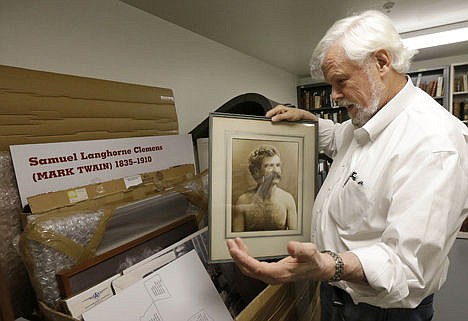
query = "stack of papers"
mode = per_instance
[{"x": 181, "y": 290}]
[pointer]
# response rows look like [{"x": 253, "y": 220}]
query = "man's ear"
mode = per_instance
[{"x": 383, "y": 60}]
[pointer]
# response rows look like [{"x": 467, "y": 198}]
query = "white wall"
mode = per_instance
[
  {"x": 108, "y": 39},
  {"x": 439, "y": 62}
]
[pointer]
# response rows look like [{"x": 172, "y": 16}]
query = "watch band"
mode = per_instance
[{"x": 339, "y": 266}]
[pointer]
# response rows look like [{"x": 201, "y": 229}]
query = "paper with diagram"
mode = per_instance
[{"x": 182, "y": 290}]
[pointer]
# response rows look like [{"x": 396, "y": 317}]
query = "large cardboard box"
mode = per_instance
[{"x": 43, "y": 107}]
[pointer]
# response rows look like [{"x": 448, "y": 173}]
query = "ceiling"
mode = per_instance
[{"x": 284, "y": 32}]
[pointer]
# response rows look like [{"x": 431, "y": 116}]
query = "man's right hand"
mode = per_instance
[{"x": 281, "y": 112}]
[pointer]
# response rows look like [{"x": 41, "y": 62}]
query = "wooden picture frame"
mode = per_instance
[
  {"x": 99, "y": 268},
  {"x": 262, "y": 183},
  {"x": 463, "y": 232}
]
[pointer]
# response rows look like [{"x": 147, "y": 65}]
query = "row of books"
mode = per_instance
[
  {"x": 434, "y": 87},
  {"x": 460, "y": 83},
  {"x": 338, "y": 115},
  {"x": 313, "y": 99},
  {"x": 460, "y": 109}
]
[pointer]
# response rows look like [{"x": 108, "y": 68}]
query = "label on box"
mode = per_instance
[
  {"x": 77, "y": 195},
  {"x": 167, "y": 98},
  {"x": 43, "y": 168},
  {"x": 132, "y": 181},
  {"x": 90, "y": 298}
]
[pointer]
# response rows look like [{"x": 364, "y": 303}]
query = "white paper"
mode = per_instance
[
  {"x": 203, "y": 153},
  {"x": 43, "y": 168},
  {"x": 126, "y": 280},
  {"x": 90, "y": 298},
  {"x": 182, "y": 291}
]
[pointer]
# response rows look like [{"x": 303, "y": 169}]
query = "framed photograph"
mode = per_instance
[
  {"x": 262, "y": 183},
  {"x": 99, "y": 268}
]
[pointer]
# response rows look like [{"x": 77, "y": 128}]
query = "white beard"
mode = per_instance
[{"x": 364, "y": 114}]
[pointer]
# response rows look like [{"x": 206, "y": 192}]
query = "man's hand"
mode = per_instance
[
  {"x": 304, "y": 262},
  {"x": 281, "y": 112}
]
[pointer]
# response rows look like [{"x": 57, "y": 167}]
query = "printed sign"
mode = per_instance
[{"x": 43, "y": 168}]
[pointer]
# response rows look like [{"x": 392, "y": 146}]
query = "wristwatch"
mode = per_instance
[{"x": 339, "y": 266}]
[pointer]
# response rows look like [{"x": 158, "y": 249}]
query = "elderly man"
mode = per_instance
[
  {"x": 390, "y": 208},
  {"x": 266, "y": 207}
]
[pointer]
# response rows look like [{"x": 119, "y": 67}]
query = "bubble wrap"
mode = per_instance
[
  {"x": 46, "y": 261},
  {"x": 11, "y": 266}
]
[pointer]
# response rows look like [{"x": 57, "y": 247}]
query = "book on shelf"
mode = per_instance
[
  {"x": 306, "y": 102},
  {"x": 460, "y": 110},
  {"x": 457, "y": 84},
  {"x": 457, "y": 112},
  {"x": 440, "y": 86},
  {"x": 418, "y": 79},
  {"x": 317, "y": 100},
  {"x": 460, "y": 83},
  {"x": 464, "y": 108},
  {"x": 430, "y": 87}
]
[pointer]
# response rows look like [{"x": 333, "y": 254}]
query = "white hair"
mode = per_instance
[{"x": 360, "y": 36}]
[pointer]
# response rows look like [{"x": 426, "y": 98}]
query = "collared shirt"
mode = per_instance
[{"x": 396, "y": 195}]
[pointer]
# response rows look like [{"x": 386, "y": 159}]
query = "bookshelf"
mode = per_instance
[
  {"x": 435, "y": 82},
  {"x": 459, "y": 91},
  {"x": 316, "y": 99}
]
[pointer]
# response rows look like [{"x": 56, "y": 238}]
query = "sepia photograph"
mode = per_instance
[{"x": 262, "y": 186}]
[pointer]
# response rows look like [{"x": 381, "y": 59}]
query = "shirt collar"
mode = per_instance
[{"x": 385, "y": 115}]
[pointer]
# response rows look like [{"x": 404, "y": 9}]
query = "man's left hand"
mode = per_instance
[{"x": 304, "y": 262}]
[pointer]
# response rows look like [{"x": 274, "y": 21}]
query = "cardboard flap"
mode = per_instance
[{"x": 43, "y": 107}]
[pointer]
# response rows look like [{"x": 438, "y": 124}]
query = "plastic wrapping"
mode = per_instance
[
  {"x": 14, "y": 272},
  {"x": 62, "y": 237},
  {"x": 53, "y": 242},
  {"x": 195, "y": 189}
]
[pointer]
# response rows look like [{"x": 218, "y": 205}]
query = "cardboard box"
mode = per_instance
[
  {"x": 297, "y": 301},
  {"x": 156, "y": 181},
  {"x": 43, "y": 107},
  {"x": 277, "y": 302}
]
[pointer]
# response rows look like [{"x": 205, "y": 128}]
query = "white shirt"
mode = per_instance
[{"x": 401, "y": 212}]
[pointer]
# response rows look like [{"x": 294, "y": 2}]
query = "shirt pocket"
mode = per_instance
[{"x": 351, "y": 208}]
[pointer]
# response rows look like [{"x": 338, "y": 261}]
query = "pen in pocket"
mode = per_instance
[{"x": 354, "y": 177}]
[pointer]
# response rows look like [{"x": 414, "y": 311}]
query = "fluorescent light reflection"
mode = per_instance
[{"x": 437, "y": 38}]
